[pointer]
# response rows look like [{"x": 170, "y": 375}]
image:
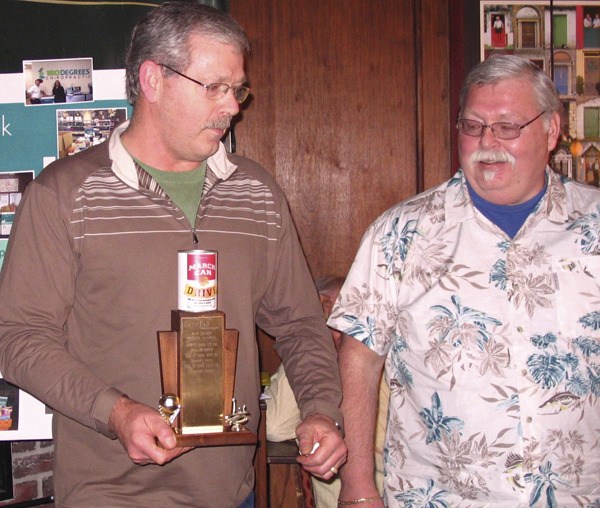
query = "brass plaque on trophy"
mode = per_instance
[{"x": 197, "y": 360}]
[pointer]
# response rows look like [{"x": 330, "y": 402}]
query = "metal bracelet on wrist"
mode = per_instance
[{"x": 359, "y": 500}]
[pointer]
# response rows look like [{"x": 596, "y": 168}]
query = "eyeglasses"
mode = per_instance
[
  {"x": 216, "y": 91},
  {"x": 502, "y": 130}
]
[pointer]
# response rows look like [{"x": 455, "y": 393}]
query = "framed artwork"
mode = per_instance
[{"x": 563, "y": 39}]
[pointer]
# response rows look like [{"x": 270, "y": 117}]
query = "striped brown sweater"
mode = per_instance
[{"x": 91, "y": 276}]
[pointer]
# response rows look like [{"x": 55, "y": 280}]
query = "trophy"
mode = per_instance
[{"x": 197, "y": 362}]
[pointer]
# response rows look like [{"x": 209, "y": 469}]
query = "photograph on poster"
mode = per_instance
[
  {"x": 563, "y": 39},
  {"x": 58, "y": 81},
  {"x": 31, "y": 419},
  {"x": 78, "y": 129},
  {"x": 9, "y": 406},
  {"x": 12, "y": 186}
]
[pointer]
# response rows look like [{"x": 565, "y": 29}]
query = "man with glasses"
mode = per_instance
[
  {"x": 480, "y": 297},
  {"x": 91, "y": 277}
]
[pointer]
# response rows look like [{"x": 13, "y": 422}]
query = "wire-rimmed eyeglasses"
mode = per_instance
[
  {"x": 502, "y": 130},
  {"x": 216, "y": 91}
]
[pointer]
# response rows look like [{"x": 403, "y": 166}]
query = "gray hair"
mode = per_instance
[
  {"x": 163, "y": 36},
  {"x": 498, "y": 68},
  {"x": 329, "y": 285}
]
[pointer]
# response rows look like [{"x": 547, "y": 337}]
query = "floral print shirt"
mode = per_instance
[{"x": 492, "y": 348}]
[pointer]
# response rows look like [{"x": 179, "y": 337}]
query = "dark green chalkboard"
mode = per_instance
[{"x": 40, "y": 30}]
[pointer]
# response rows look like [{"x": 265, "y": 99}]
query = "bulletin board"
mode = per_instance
[
  {"x": 81, "y": 44},
  {"x": 30, "y": 140}
]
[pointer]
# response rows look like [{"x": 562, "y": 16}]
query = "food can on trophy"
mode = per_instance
[{"x": 197, "y": 280}]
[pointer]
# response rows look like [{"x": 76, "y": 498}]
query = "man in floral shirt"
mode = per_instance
[{"x": 482, "y": 298}]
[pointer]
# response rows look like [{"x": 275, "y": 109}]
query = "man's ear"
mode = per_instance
[
  {"x": 553, "y": 131},
  {"x": 151, "y": 79}
]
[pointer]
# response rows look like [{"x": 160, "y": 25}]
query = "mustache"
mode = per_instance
[
  {"x": 222, "y": 122},
  {"x": 491, "y": 156}
]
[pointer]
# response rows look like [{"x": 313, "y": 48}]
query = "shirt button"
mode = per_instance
[
  {"x": 520, "y": 329},
  {"x": 529, "y": 419},
  {"x": 524, "y": 372}
]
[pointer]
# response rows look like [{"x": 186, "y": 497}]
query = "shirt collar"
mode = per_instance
[
  {"x": 124, "y": 166},
  {"x": 459, "y": 207}
]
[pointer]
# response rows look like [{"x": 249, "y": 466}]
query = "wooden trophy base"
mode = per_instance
[{"x": 173, "y": 380}]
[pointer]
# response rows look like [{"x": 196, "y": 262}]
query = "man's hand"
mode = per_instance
[
  {"x": 322, "y": 448},
  {"x": 146, "y": 437}
]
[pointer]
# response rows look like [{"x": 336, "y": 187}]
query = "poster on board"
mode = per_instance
[{"x": 31, "y": 137}]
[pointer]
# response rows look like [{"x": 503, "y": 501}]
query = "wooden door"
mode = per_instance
[
  {"x": 528, "y": 34},
  {"x": 350, "y": 111},
  {"x": 559, "y": 30}
]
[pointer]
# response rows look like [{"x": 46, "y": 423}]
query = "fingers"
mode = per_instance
[
  {"x": 146, "y": 437},
  {"x": 325, "y": 464},
  {"x": 149, "y": 450},
  {"x": 322, "y": 448},
  {"x": 158, "y": 455}
]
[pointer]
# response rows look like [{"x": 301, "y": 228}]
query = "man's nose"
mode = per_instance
[
  {"x": 487, "y": 137},
  {"x": 232, "y": 106}
]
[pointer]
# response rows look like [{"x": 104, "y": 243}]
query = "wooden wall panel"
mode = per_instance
[
  {"x": 334, "y": 113},
  {"x": 435, "y": 105}
]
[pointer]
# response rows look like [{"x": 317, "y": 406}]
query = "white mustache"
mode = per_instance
[{"x": 491, "y": 156}]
